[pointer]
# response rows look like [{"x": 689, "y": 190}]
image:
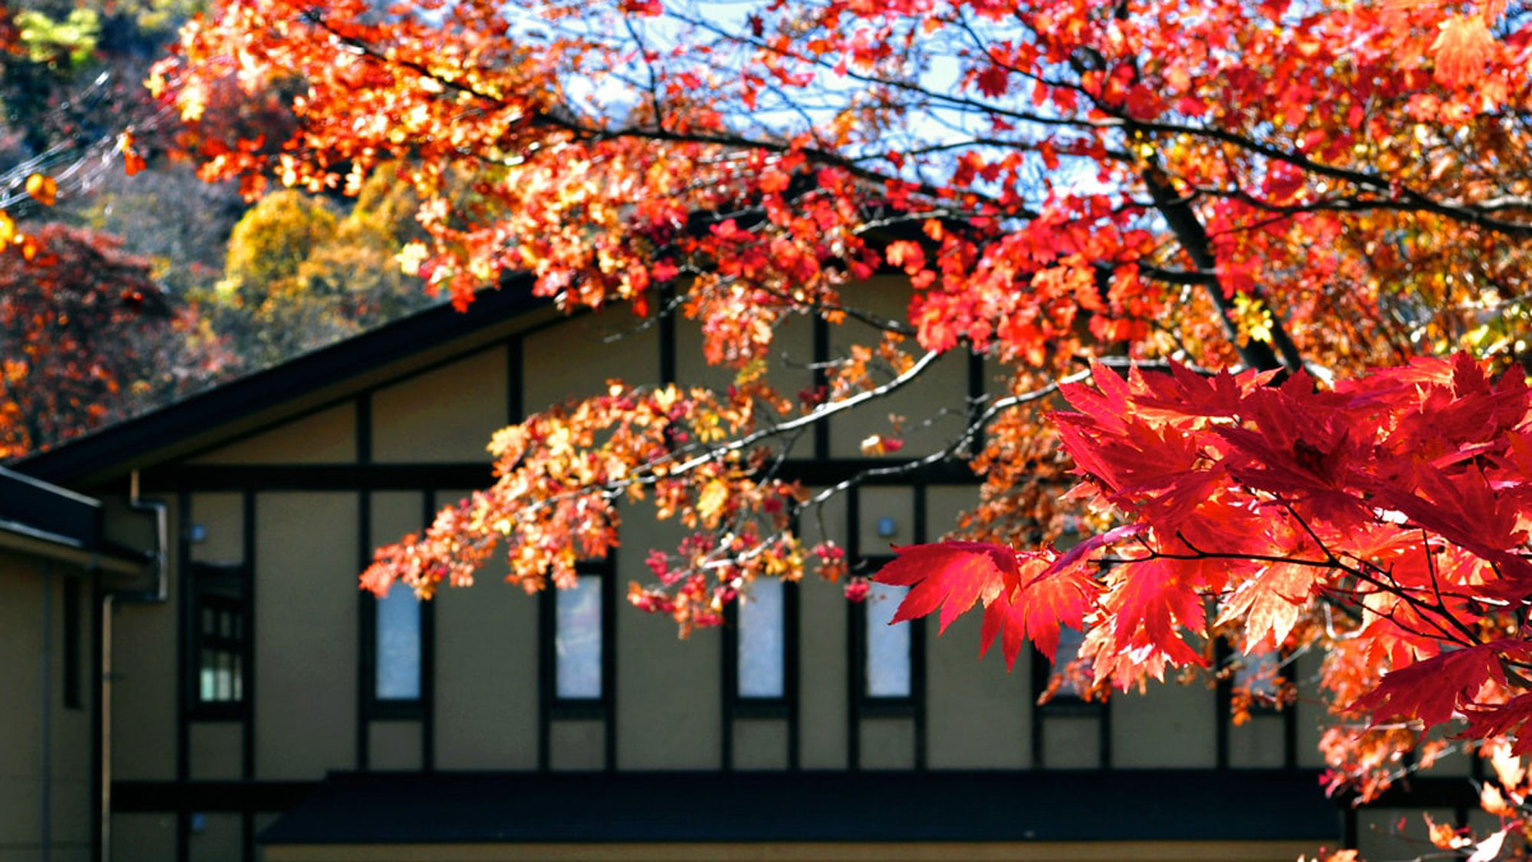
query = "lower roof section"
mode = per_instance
[
  {"x": 1033, "y": 851},
  {"x": 1169, "y": 807}
]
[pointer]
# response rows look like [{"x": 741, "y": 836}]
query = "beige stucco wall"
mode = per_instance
[
  {"x": 305, "y": 619},
  {"x": 445, "y": 414},
  {"x": 979, "y": 716},
  {"x": 576, "y": 358},
  {"x": 944, "y": 385},
  {"x": 486, "y": 672},
  {"x": 326, "y": 436},
  {"x": 45, "y": 779}
]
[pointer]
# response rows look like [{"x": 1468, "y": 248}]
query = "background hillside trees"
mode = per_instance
[
  {"x": 89, "y": 337},
  {"x": 298, "y": 276},
  {"x": 1280, "y": 187},
  {"x": 87, "y": 155}
]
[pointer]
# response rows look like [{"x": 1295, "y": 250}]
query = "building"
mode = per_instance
[
  {"x": 55, "y": 554},
  {"x": 267, "y": 708}
]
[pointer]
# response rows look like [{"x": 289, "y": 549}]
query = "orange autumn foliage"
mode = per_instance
[{"x": 1278, "y": 210}]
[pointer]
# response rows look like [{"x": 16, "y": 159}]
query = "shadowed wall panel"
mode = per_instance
[
  {"x": 888, "y": 743},
  {"x": 305, "y": 622},
  {"x": 486, "y": 675},
  {"x": 446, "y": 414},
  {"x": 393, "y": 745},
  {"x": 219, "y": 840},
  {"x": 215, "y": 750},
  {"x": 576, "y": 359},
  {"x": 668, "y": 690},
  {"x": 1172, "y": 726},
  {"x": 822, "y": 639},
  {"x": 760, "y": 743},
  {"x": 325, "y": 437},
  {"x": 977, "y": 715},
  {"x": 945, "y": 384}
]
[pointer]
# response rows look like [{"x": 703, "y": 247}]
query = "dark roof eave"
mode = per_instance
[
  {"x": 122, "y": 445},
  {"x": 1005, "y": 806}
]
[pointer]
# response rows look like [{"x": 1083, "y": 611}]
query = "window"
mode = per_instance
[
  {"x": 577, "y": 669},
  {"x": 761, "y": 655},
  {"x": 887, "y": 670},
  {"x": 578, "y": 640},
  {"x": 220, "y": 638},
  {"x": 396, "y": 671},
  {"x": 1258, "y": 676},
  {"x": 1073, "y": 674},
  {"x": 1066, "y": 681}
]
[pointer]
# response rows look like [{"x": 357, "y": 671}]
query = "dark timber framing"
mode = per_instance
[
  {"x": 247, "y": 732},
  {"x": 1288, "y": 714},
  {"x": 737, "y": 708},
  {"x": 859, "y": 704},
  {"x": 71, "y": 610},
  {"x": 348, "y": 375},
  {"x": 1067, "y": 708},
  {"x": 551, "y": 707},
  {"x": 183, "y": 669}
]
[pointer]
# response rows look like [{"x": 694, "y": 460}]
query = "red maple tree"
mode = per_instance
[
  {"x": 1298, "y": 191},
  {"x": 89, "y": 336}
]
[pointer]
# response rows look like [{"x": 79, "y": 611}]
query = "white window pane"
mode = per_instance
[
  {"x": 1259, "y": 673},
  {"x": 1073, "y": 676},
  {"x": 760, "y": 640},
  {"x": 398, "y": 645},
  {"x": 208, "y": 677},
  {"x": 888, "y": 646},
  {"x": 577, "y": 639}
]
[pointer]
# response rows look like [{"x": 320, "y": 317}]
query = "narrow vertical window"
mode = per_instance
[
  {"x": 577, "y": 640},
  {"x": 888, "y": 646},
  {"x": 761, "y": 655},
  {"x": 1259, "y": 674},
  {"x": 220, "y": 638},
  {"x": 1072, "y": 676},
  {"x": 397, "y": 670},
  {"x": 72, "y": 651}
]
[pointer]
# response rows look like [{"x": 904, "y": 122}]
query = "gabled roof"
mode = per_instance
[{"x": 283, "y": 391}]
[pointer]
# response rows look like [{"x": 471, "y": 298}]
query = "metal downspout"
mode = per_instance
[{"x": 154, "y": 595}]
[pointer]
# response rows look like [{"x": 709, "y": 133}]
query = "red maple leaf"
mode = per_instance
[
  {"x": 1460, "y": 50},
  {"x": 1270, "y": 602},
  {"x": 1050, "y": 597},
  {"x": 949, "y": 575},
  {"x": 992, "y": 81},
  {"x": 1436, "y": 688}
]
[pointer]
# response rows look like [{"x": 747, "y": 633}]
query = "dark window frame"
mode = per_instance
[
  {"x": 1062, "y": 703},
  {"x": 869, "y": 705},
  {"x": 223, "y": 589},
  {"x": 599, "y": 707},
  {"x": 755, "y": 706},
  {"x": 393, "y": 708}
]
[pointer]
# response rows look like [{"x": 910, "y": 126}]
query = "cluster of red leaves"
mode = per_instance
[
  {"x": 1225, "y": 182},
  {"x": 87, "y": 332},
  {"x": 1394, "y": 507},
  {"x": 565, "y": 475}
]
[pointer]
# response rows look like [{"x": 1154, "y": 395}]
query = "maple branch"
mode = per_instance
[
  {"x": 1194, "y": 239},
  {"x": 1403, "y": 197}
]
